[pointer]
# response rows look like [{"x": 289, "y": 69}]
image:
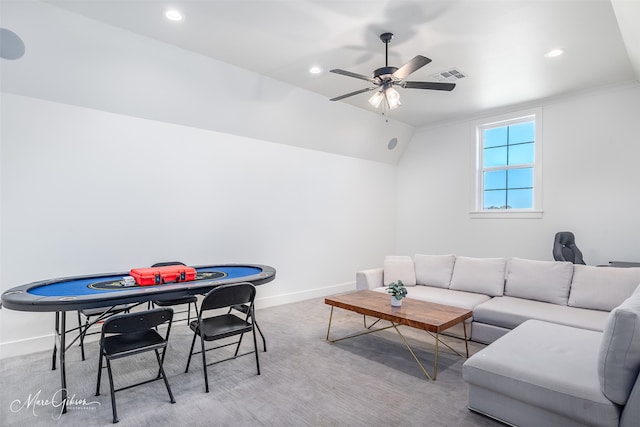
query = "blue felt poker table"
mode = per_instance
[
  {"x": 110, "y": 290},
  {"x": 104, "y": 290}
]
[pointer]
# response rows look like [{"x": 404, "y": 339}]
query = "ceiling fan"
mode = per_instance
[{"x": 386, "y": 77}]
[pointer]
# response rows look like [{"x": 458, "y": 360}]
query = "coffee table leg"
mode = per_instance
[
  {"x": 371, "y": 325},
  {"x": 435, "y": 359},
  {"x": 329, "y": 328},
  {"x": 466, "y": 341},
  {"x": 437, "y": 338},
  {"x": 406, "y": 344}
]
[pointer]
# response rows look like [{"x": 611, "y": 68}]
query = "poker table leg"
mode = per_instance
[
  {"x": 55, "y": 341},
  {"x": 63, "y": 350}
]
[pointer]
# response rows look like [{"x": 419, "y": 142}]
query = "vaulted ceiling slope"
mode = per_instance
[
  {"x": 499, "y": 45},
  {"x": 71, "y": 59}
]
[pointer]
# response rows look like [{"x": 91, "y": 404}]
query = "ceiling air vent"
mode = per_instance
[{"x": 450, "y": 75}]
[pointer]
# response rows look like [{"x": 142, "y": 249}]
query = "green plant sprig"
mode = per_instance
[{"x": 397, "y": 289}]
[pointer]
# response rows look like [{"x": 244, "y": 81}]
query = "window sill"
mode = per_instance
[{"x": 506, "y": 214}]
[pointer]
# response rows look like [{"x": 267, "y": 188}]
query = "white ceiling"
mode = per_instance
[{"x": 500, "y": 45}]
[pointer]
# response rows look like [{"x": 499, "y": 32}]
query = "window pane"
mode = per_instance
[
  {"x": 494, "y": 157},
  {"x": 494, "y": 137},
  {"x": 523, "y": 132},
  {"x": 507, "y": 177},
  {"x": 495, "y": 180},
  {"x": 522, "y": 153},
  {"x": 520, "y": 199},
  {"x": 520, "y": 178},
  {"x": 494, "y": 199}
]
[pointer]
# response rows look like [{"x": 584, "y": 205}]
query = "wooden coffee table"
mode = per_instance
[{"x": 430, "y": 317}]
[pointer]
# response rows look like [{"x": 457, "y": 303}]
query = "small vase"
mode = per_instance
[{"x": 395, "y": 302}]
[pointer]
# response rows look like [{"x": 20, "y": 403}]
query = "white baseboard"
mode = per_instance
[
  {"x": 45, "y": 342},
  {"x": 26, "y": 346},
  {"x": 304, "y": 295}
]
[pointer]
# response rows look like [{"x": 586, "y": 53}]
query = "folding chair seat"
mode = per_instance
[
  {"x": 225, "y": 325},
  {"x": 129, "y": 334}
]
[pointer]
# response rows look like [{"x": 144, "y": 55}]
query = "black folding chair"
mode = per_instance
[
  {"x": 97, "y": 314},
  {"x": 129, "y": 334},
  {"x": 224, "y": 325},
  {"x": 190, "y": 299},
  {"x": 244, "y": 308}
]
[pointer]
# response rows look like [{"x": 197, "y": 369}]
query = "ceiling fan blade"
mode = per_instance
[
  {"x": 350, "y": 74},
  {"x": 338, "y": 98},
  {"x": 416, "y": 63},
  {"x": 428, "y": 85}
]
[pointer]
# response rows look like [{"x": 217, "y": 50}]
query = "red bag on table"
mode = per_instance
[{"x": 160, "y": 275}]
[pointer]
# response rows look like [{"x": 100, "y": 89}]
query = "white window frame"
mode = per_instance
[{"x": 478, "y": 127}]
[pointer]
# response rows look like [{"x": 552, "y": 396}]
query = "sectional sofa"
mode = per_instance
[
  {"x": 503, "y": 293},
  {"x": 564, "y": 339}
]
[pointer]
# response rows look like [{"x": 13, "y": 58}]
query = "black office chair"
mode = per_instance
[
  {"x": 565, "y": 249},
  {"x": 189, "y": 299},
  {"x": 129, "y": 334},
  {"x": 224, "y": 325}
]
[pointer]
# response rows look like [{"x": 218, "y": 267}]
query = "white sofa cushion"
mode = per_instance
[
  {"x": 619, "y": 357},
  {"x": 434, "y": 270},
  {"x": 547, "y": 281},
  {"x": 602, "y": 288},
  {"x": 399, "y": 267},
  {"x": 459, "y": 299},
  {"x": 509, "y": 312},
  {"x": 479, "y": 275}
]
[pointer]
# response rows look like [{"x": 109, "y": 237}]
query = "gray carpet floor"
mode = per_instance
[{"x": 371, "y": 380}]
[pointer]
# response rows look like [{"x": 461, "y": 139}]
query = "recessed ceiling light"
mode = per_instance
[
  {"x": 173, "y": 15},
  {"x": 554, "y": 53},
  {"x": 315, "y": 70}
]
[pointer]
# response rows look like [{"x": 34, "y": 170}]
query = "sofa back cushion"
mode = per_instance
[
  {"x": 479, "y": 275},
  {"x": 619, "y": 357},
  {"x": 434, "y": 270},
  {"x": 399, "y": 267},
  {"x": 602, "y": 288},
  {"x": 546, "y": 281}
]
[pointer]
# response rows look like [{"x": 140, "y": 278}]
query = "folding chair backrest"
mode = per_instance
[
  {"x": 136, "y": 322},
  {"x": 229, "y": 295},
  {"x": 167, "y": 263}
]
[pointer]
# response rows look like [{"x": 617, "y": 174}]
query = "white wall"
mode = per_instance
[
  {"x": 84, "y": 191},
  {"x": 591, "y": 185},
  {"x": 119, "y": 151}
]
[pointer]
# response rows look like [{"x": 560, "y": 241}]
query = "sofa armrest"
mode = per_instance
[
  {"x": 369, "y": 279},
  {"x": 631, "y": 412}
]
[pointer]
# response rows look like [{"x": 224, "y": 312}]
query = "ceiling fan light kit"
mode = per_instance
[
  {"x": 376, "y": 99},
  {"x": 393, "y": 98},
  {"x": 386, "y": 77}
]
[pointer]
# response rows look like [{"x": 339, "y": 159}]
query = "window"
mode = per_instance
[{"x": 508, "y": 181}]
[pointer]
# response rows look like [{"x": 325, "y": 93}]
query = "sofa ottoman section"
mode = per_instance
[{"x": 541, "y": 374}]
